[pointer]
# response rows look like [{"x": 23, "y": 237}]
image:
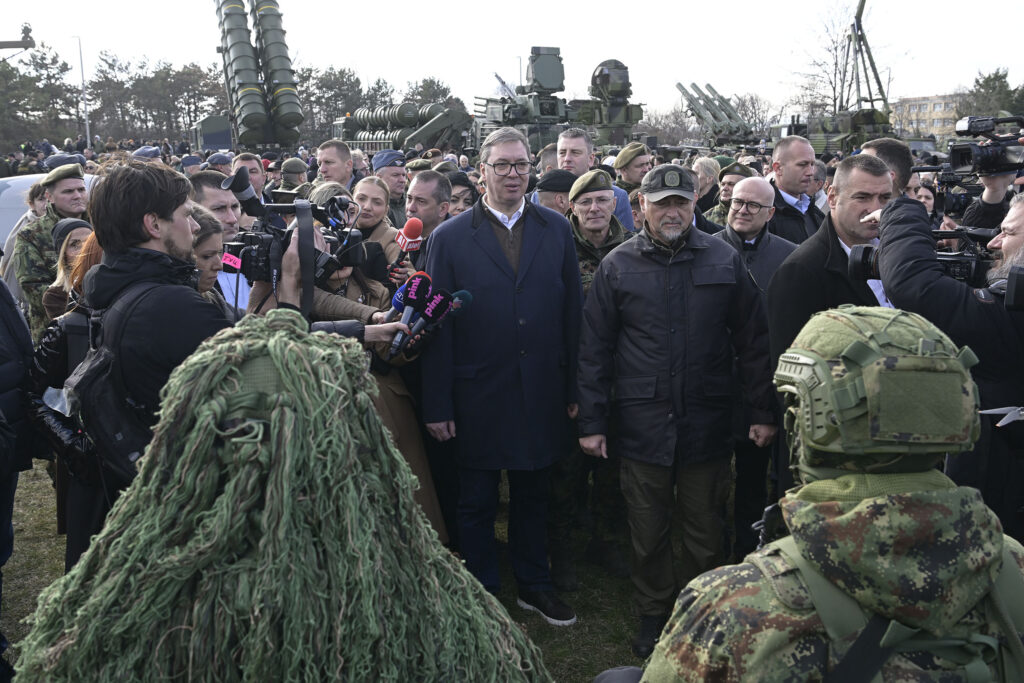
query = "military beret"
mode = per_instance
[
  {"x": 418, "y": 165},
  {"x": 556, "y": 180},
  {"x": 57, "y": 160},
  {"x": 219, "y": 159},
  {"x": 666, "y": 180},
  {"x": 294, "y": 165},
  {"x": 64, "y": 172},
  {"x": 146, "y": 152},
  {"x": 62, "y": 228},
  {"x": 388, "y": 157},
  {"x": 736, "y": 168},
  {"x": 446, "y": 167},
  {"x": 190, "y": 160},
  {"x": 723, "y": 160},
  {"x": 630, "y": 152},
  {"x": 591, "y": 181}
]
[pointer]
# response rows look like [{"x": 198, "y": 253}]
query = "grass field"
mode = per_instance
[{"x": 598, "y": 641}]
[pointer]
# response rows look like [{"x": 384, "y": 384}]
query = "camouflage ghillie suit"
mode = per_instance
[
  {"x": 35, "y": 266},
  {"x": 873, "y": 398},
  {"x": 719, "y": 213},
  {"x": 588, "y": 255}
]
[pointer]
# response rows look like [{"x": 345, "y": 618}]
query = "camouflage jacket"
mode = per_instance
[
  {"x": 628, "y": 187},
  {"x": 719, "y": 213},
  {"x": 588, "y": 255},
  {"x": 924, "y": 554},
  {"x": 302, "y": 190},
  {"x": 35, "y": 266}
]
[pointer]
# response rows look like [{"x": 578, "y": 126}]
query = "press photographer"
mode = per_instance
[{"x": 972, "y": 315}]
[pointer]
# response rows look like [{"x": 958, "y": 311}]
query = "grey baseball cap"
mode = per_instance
[{"x": 666, "y": 180}]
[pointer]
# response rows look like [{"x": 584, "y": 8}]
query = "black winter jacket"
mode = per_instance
[
  {"x": 792, "y": 225},
  {"x": 660, "y": 330},
  {"x": 167, "y": 325},
  {"x": 15, "y": 358}
]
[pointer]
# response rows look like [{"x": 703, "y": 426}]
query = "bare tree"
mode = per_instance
[
  {"x": 822, "y": 90},
  {"x": 756, "y": 111},
  {"x": 671, "y": 127}
]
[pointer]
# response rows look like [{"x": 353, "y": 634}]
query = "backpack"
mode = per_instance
[
  {"x": 96, "y": 393},
  {"x": 879, "y": 637}
]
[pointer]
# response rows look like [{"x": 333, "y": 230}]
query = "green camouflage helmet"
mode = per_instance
[{"x": 871, "y": 383}]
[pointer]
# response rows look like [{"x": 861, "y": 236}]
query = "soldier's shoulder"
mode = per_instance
[{"x": 742, "y": 621}]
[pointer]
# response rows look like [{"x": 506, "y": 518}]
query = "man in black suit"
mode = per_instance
[
  {"x": 814, "y": 277},
  {"x": 796, "y": 216}
]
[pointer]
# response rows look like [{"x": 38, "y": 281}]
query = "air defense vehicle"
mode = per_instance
[
  {"x": 403, "y": 126},
  {"x": 721, "y": 123},
  {"x": 262, "y": 92},
  {"x": 535, "y": 109}
]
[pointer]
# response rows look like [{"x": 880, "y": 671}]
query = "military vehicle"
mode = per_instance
[
  {"x": 720, "y": 121},
  {"x": 403, "y": 126},
  {"x": 261, "y": 86},
  {"x": 536, "y": 110}
]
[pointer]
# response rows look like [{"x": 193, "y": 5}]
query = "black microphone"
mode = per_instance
[
  {"x": 417, "y": 296},
  {"x": 437, "y": 308},
  {"x": 460, "y": 301},
  {"x": 241, "y": 187}
]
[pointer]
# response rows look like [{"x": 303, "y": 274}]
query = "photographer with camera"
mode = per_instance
[{"x": 917, "y": 281}]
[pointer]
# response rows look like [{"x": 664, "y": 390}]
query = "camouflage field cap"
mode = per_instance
[
  {"x": 294, "y": 165},
  {"x": 868, "y": 381}
]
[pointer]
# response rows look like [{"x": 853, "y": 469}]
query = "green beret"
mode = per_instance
[
  {"x": 630, "y": 152},
  {"x": 62, "y": 173},
  {"x": 418, "y": 165},
  {"x": 723, "y": 160},
  {"x": 591, "y": 181},
  {"x": 736, "y": 168},
  {"x": 294, "y": 165}
]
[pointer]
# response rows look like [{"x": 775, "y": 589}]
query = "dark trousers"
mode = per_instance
[
  {"x": 527, "y": 532},
  {"x": 751, "y": 493},
  {"x": 87, "y": 507},
  {"x": 8, "y": 486},
  {"x": 653, "y": 493}
]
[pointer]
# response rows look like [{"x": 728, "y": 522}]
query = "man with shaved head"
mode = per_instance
[{"x": 750, "y": 209}]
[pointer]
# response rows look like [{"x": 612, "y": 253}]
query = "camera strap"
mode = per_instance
[{"x": 307, "y": 250}]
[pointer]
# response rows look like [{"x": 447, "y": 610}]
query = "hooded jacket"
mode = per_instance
[
  {"x": 166, "y": 326},
  {"x": 914, "y": 548}
]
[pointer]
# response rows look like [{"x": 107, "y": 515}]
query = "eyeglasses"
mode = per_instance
[
  {"x": 752, "y": 207},
  {"x": 601, "y": 202},
  {"x": 504, "y": 167}
]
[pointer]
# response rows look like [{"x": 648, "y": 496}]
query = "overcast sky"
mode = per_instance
[{"x": 739, "y": 47}]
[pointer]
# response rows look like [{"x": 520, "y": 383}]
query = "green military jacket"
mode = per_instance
[
  {"x": 302, "y": 190},
  {"x": 628, "y": 187},
  {"x": 35, "y": 266},
  {"x": 913, "y": 548},
  {"x": 719, "y": 213},
  {"x": 588, "y": 255}
]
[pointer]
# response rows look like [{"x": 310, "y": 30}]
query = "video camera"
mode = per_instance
[
  {"x": 969, "y": 264},
  {"x": 968, "y": 160},
  {"x": 258, "y": 251}
]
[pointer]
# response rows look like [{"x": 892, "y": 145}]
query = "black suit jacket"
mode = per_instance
[
  {"x": 788, "y": 223},
  {"x": 813, "y": 278}
]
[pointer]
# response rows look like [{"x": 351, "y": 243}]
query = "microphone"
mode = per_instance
[
  {"x": 417, "y": 296},
  {"x": 437, "y": 308},
  {"x": 242, "y": 189},
  {"x": 408, "y": 239},
  {"x": 459, "y": 301},
  {"x": 397, "y": 302}
]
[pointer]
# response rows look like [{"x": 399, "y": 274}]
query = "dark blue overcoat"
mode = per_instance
[{"x": 505, "y": 369}]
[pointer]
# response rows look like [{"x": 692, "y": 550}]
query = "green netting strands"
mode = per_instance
[{"x": 271, "y": 535}]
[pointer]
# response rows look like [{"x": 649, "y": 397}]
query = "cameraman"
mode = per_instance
[
  {"x": 915, "y": 281},
  {"x": 988, "y": 210}
]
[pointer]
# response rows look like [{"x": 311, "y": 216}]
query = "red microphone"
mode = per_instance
[{"x": 408, "y": 239}]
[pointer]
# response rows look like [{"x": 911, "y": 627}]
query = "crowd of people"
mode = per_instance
[{"x": 634, "y": 321}]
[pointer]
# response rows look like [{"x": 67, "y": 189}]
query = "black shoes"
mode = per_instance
[
  {"x": 647, "y": 635},
  {"x": 548, "y": 605}
]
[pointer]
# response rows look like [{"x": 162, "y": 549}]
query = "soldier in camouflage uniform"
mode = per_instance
[
  {"x": 34, "y": 261},
  {"x": 594, "y": 227},
  {"x": 727, "y": 179},
  {"x": 881, "y": 544},
  {"x": 631, "y": 165},
  {"x": 293, "y": 177}
]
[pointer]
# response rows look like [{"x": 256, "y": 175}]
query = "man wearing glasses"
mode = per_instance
[
  {"x": 500, "y": 377},
  {"x": 666, "y": 314},
  {"x": 750, "y": 209}
]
